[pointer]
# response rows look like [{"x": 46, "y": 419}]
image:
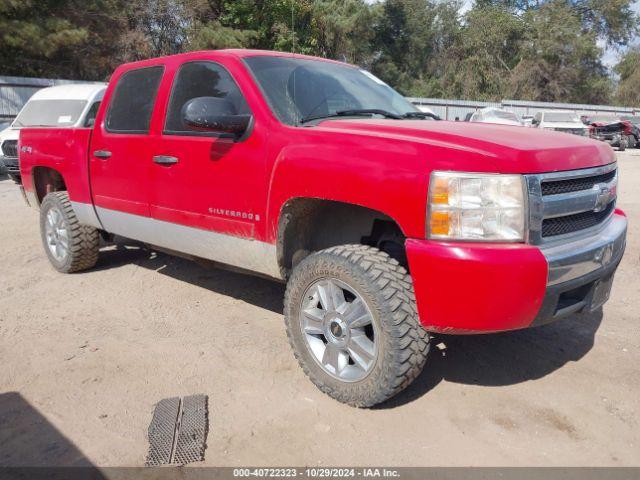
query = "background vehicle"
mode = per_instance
[
  {"x": 495, "y": 115},
  {"x": 424, "y": 109},
  {"x": 634, "y": 120},
  {"x": 383, "y": 224},
  {"x": 560, "y": 121},
  {"x": 527, "y": 120},
  {"x": 608, "y": 128},
  {"x": 68, "y": 106}
]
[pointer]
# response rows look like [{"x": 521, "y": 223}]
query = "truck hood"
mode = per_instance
[
  {"x": 10, "y": 133},
  {"x": 496, "y": 148}
]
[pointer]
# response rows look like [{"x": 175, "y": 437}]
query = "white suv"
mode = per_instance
[
  {"x": 560, "y": 121},
  {"x": 72, "y": 105}
]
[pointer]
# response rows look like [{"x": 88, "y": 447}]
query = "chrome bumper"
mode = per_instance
[{"x": 571, "y": 260}]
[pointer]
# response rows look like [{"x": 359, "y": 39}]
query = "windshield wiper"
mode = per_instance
[{"x": 352, "y": 113}]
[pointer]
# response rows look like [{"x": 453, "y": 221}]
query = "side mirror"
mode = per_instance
[{"x": 213, "y": 114}]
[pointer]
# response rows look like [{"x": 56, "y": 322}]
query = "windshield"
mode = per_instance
[
  {"x": 561, "y": 117},
  {"x": 50, "y": 113},
  {"x": 502, "y": 115},
  {"x": 634, "y": 120},
  {"x": 299, "y": 88}
]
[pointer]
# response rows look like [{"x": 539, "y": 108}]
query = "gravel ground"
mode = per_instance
[{"x": 84, "y": 358}]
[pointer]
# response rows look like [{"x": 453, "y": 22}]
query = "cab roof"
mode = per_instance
[
  {"x": 231, "y": 52},
  {"x": 70, "y": 91}
]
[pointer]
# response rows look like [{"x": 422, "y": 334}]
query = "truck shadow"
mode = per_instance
[
  {"x": 28, "y": 439},
  {"x": 261, "y": 292},
  {"x": 502, "y": 359},
  {"x": 493, "y": 360}
]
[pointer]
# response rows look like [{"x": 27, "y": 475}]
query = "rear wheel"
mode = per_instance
[
  {"x": 352, "y": 323},
  {"x": 70, "y": 246}
]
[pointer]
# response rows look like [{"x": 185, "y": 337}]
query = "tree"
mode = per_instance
[
  {"x": 560, "y": 61},
  {"x": 479, "y": 64},
  {"x": 59, "y": 38},
  {"x": 613, "y": 20},
  {"x": 412, "y": 37},
  {"x": 628, "y": 91}
]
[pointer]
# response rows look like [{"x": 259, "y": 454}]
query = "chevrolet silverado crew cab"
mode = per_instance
[
  {"x": 68, "y": 106},
  {"x": 385, "y": 224}
]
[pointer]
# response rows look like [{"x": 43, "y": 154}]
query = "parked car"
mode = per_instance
[
  {"x": 527, "y": 120},
  {"x": 428, "y": 111},
  {"x": 611, "y": 129},
  {"x": 495, "y": 115},
  {"x": 634, "y": 120},
  {"x": 384, "y": 225},
  {"x": 560, "y": 121},
  {"x": 65, "y": 106},
  {"x": 3, "y": 126}
]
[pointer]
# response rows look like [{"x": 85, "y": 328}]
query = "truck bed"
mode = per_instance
[{"x": 63, "y": 149}]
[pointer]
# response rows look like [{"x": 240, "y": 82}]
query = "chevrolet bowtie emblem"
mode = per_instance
[{"x": 604, "y": 197}]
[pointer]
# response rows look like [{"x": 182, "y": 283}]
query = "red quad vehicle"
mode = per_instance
[{"x": 384, "y": 223}]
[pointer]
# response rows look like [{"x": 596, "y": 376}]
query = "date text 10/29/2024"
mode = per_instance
[{"x": 316, "y": 472}]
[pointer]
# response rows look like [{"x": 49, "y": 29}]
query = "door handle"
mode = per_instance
[
  {"x": 165, "y": 160},
  {"x": 102, "y": 154}
]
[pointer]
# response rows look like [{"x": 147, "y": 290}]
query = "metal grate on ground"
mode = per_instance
[{"x": 178, "y": 431}]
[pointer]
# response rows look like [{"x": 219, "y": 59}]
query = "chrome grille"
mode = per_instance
[
  {"x": 573, "y": 223},
  {"x": 564, "y": 204},
  {"x": 576, "y": 184},
  {"x": 10, "y": 148}
]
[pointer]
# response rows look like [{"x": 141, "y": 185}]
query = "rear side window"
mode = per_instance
[
  {"x": 132, "y": 103},
  {"x": 201, "y": 79},
  {"x": 91, "y": 115}
]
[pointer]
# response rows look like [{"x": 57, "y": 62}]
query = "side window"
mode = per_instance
[
  {"x": 132, "y": 102},
  {"x": 91, "y": 115},
  {"x": 201, "y": 79}
]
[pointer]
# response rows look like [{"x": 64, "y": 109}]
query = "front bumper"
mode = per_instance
[
  {"x": 481, "y": 288},
  {"x": 613, "y": 139},
  {"x": 10, "y": 164}
]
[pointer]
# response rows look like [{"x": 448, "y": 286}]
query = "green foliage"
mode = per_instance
[
  {"x": 629, "y": 71},
  {"x": 485, "y": 54},
  {"x": 560, "y": 61},
  {"x": 529, "y": 49}
]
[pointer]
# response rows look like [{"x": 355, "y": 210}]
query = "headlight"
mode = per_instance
[{"x": 476, "y": 206}]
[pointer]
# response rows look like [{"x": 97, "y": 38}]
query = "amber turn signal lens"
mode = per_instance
[
  {"x": 440, "y": 191},
  {"x": 439, "y": 223}
]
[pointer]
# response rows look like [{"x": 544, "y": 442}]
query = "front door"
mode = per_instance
[{"x": 212, "y": 185}]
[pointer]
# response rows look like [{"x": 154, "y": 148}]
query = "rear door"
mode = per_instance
[{"x": 120, "y": 153}]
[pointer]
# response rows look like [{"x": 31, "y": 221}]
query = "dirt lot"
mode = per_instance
[{"x": 88, "y": 355}]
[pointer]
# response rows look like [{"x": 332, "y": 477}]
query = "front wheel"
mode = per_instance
[
  {"x": 70, "y": 246},
  {"x": 352, "y": 323},
  {"x": 622, "y": 146}
]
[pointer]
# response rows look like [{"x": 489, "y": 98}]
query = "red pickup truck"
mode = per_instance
[{"x": 384, "y": 223}]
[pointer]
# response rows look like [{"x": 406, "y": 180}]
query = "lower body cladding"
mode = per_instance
[
  {"x": 243, "y": 253},
  {"x": 464, "y": 288}
]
